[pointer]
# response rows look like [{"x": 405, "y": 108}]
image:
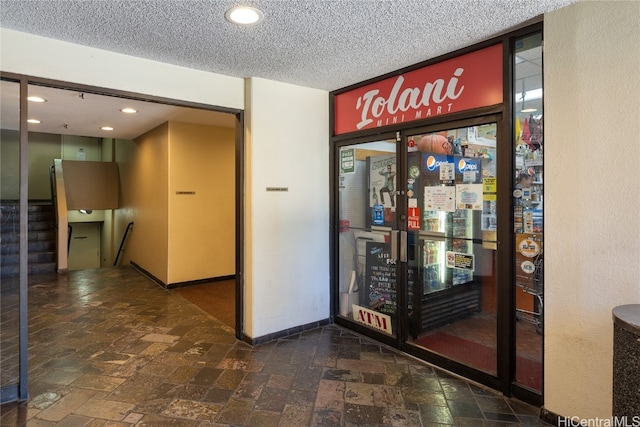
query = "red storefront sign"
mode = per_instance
[{"x": 462, "y": 83}]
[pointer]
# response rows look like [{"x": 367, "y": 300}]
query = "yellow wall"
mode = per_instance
[
  {"x": 201, "y": 225},
  {"x": 179, "y": 237},
  {"x": 146, "y": 194}
]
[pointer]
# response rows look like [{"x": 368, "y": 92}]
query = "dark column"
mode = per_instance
[{"x": 626, "y": 361}]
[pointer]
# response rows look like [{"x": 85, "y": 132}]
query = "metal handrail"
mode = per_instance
[
  {"x": 124, "y": 238},
  {"x": 70, "y": 232},
  {"x": 52, "y": 172}
]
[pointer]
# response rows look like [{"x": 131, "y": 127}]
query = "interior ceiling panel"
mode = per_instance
[{"x": 323, "y": 44}]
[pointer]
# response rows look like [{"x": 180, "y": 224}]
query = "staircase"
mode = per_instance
[{"x": 42, "y": 239}]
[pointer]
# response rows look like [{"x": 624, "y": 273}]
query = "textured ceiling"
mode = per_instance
[{"x": 324, "y": 44}]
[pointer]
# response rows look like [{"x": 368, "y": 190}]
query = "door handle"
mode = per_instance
[
  {"x": 403, "y": 246},
  {"x": 394, "y": 244}
]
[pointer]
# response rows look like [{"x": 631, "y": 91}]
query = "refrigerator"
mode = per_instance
[
  {"x": 447, "y": 190},
  {"x": 446, "y": 207}
]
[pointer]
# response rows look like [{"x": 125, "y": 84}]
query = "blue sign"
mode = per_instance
[
  {"x": 432, "y": 163},
  {"x": 378, "y": 214}
]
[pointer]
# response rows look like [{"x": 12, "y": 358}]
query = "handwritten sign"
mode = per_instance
[{"x": 380, "y": 278}]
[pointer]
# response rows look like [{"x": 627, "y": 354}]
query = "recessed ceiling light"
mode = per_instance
[
  {"x": 36, "y": 121},
  {"x": 244, "y": 15},
  {"x": 106, "y": 128},
  {"x": 36, "y": 99},
  {"x": 129, "y": 110}
]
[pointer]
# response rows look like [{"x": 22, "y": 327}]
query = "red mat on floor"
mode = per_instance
[{"x": 482, "y": 357}]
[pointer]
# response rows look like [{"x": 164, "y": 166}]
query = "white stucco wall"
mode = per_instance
[
  {"x": 287, "y": 250},
  {"x": 37, "y": 56},
  {"x": 592, "y": 197}
]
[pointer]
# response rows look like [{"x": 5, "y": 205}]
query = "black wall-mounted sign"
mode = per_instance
[{"x": 380, "y": 278}]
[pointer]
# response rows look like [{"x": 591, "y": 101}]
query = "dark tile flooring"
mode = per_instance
[{"x": 110, "y": 348}]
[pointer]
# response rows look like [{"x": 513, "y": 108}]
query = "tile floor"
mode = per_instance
[{"x": 110, "y": 348}]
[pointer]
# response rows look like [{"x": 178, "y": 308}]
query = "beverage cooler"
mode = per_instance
[{"x": 446, "y": 213}]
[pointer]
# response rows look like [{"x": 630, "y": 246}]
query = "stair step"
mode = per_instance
[
  {"x": 41, "y": 236},
  {"x": 46, "y": 235},
  {"x": 33, "y": 258},
  {"x": 34, "y": 246},
  {"x": 42, "y": 268},
  {"x": 39, "y": 268},
  {"x": 10, "y": 210},
  {"x": 9, "y": 270},
  {"x": 14, "y": 236}
]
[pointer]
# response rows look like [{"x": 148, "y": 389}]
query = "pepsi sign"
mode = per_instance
[{"x": 432, "y": 163}]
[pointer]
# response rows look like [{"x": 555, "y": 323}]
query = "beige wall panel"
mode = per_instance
[
  {"x": 106, "y": 149},
  {"x": 124, "y": 154},
  {"x": 201, "y": 202},
  {"x": 84, "y": 251},
  {"x": 10, "y": 165},
  {"x": 147, "y": 190},
  {"x": 107, "y": 249},
  {"x": 91, "y": 185},
  {"x": 592, "y": 198},
  {"x": 81, "y": 148},
  {"x": 43, "y": 148}
]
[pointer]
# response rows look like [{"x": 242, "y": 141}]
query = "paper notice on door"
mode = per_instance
[
  {"x": 440, "y": 198},
  {"x": 469, "y": 196}
]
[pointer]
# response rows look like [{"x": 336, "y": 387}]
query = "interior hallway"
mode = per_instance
[{"x": 111, "y": 348}]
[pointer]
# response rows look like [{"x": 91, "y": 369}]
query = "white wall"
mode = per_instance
[
  {"x": 592, "y": 197},
  {"x": 42, "y": 57},
  {"x": 286, "y": 255}
]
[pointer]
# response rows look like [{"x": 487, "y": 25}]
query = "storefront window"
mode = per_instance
[
  {"x": 528, "y": 210},
  {"x": 424, "y": 202},
  {"x": 10, "y": 218},
  {"x": 367, "y": 205},
  {"x": 452, "y": 307}
]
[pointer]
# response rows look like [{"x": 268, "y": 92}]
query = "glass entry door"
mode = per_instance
[
  {"x": 452, "y": 228},
  {"x": 368, "y": 244},
  {"x": 14, "y": 259}
]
